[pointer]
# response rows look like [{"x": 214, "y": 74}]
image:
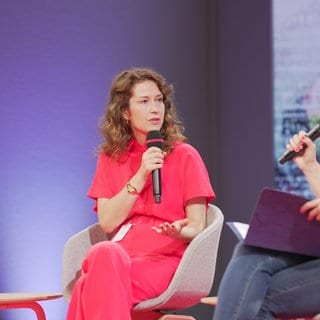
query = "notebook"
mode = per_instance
[{"x": 276, "y": 223}]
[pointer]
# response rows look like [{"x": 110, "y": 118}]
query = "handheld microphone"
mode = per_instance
[
  {"x": 154, "y": 139},
  {"x": 313, "y": 134}
]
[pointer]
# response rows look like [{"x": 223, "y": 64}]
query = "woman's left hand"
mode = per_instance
[
  {"x": 171, "y": 230},
  {"x": 312, "y": 208}
]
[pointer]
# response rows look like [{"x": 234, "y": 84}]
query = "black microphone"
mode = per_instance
[
  {"x": 313, "y": 134},
  {"x": 154, "y": 139}
]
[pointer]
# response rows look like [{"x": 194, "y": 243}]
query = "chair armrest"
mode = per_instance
[
  {"x": 74, "y": 252},
  {"x": 194, "y": 276}
]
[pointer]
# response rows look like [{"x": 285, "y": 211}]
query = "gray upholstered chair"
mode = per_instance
[{"x": 192, "y": 281}]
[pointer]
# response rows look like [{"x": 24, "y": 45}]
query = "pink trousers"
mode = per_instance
[{"x": 112, "y": 282}]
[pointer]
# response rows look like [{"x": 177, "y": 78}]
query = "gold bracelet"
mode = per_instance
[{"x": 132, "y": 189}]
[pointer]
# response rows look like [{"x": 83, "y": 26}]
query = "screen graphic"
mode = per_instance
[{"x": 296, "y": 82}]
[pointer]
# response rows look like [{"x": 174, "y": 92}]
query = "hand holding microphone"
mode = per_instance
[{"x": 313, "y": 134}]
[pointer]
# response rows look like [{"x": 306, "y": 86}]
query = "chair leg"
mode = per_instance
[
  {"x": 176, "y": 317},
  {"x": 147, "y": 315},
  {"x": 154, "y": 315}
]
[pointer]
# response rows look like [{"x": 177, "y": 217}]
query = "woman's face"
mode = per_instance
[{"x": 146, "y": 109}]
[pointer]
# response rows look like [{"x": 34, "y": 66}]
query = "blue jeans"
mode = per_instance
[
  {"x": 293, "y": 292},
  {"x": 253, "y": 283}
]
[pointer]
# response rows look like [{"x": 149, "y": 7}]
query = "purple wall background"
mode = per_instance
[{"x": 57, "y": 60}]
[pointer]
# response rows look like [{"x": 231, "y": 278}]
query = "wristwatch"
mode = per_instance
[{"x": 132, "y": 189}]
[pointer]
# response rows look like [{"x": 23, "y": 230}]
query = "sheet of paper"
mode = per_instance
[{"x": 240, "y": 229}]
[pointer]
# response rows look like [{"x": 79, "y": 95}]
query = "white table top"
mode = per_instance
[{"x": 28, "y": 296}]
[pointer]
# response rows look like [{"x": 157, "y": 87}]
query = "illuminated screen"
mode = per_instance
[{"x": 296, "y": 100}]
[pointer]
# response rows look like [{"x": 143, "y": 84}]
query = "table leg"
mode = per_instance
[{"x": 35, "y": 306}]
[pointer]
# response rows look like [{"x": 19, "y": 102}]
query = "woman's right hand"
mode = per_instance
[
  {"x": 152, "y": 159},
  {"x": 306, "y": 160},
  {"x": 297, "y": 144}
]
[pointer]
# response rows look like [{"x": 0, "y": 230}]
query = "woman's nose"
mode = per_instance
[{"x": 154, "y": 107}]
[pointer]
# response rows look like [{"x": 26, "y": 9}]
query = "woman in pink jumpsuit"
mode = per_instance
[{"x": 150, "y": 238}]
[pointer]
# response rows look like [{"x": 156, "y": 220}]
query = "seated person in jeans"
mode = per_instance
[{"x": 264, "y": 284}]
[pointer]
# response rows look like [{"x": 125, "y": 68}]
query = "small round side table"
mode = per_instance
[{"x": 29, "y": 300}]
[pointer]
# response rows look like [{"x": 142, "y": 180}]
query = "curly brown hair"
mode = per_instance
[{"x": 115, "y": 130}]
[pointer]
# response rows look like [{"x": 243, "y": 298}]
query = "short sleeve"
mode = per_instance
[
  {"x": 196, "y": 178},
  {"x": 101, "y": 185}
]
